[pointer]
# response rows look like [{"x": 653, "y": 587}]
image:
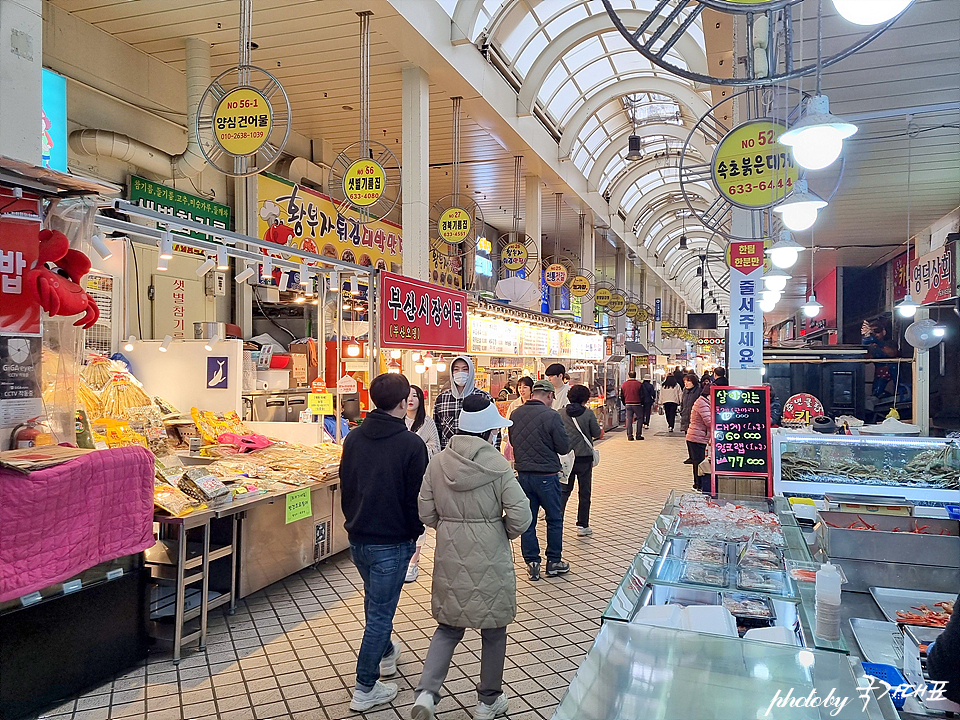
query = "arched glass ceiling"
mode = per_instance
[{"x": 584, "y": 79}]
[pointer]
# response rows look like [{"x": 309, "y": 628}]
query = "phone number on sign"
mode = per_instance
[
  {"x": 240, "y": 136},
  {"x": 362, "y": 196},
  {"x": 750, "y": 187}
]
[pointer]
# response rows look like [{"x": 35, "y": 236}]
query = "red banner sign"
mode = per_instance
[
  {"x": 801, "y": 409},
  {"x": 901, "y": 272},
  {"x": 19, "y": 249},
  {"x": 933, "y": 277},
  {"x": 419, "y": 315},
  {"x": 746, "y": 256}
]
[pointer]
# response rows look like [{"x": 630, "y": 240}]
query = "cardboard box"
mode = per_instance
[{"x": 303, "y": 372}]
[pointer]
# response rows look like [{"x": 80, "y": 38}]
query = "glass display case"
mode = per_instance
[{"x": 923, "y": 470}]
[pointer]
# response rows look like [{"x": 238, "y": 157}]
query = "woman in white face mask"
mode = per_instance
[{"x": 471, "y": 496}]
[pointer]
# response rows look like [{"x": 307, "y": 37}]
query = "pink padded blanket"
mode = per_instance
[{"x": 58, "y": 522}]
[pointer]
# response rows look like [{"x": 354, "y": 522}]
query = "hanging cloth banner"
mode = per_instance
[{"x": 745, "y": 349}]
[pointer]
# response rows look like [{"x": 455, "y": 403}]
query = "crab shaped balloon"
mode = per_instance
[{"x": 55, "y": 281}]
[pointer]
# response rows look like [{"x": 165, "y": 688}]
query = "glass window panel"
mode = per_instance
[
  {"x": 580, "y": 159},
  {"x": 553, "y": 81},
  {"x": 595, "y": 139},
  {"x": 530, "y": 53},
  {"x": 515, "y": 30},
  {"x": 630, "y": 62},
  {"x": 564, "y": 20},
  {"x": 584, "y": 53},
  {"x": 593, "y": 74},
  {"x": 565, "y": 97},
  {"x": 591, "y": 124},
  {"x": 630, "y": 198}
]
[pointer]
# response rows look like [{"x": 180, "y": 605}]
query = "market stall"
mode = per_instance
[{"x": 724, "y": 593}]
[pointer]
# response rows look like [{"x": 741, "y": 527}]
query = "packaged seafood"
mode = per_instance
[
  {"x": 712, "y": 575},
  {"x": 746, "y": 605},
  {"x": 762, "y": 581},
  {"x": 708, "y": 552},
  {"x": 761, "y": 557}
]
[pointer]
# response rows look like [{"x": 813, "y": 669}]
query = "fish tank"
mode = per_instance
[{"x": 923, "y": 470}]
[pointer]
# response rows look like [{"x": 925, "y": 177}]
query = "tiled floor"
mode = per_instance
[{"x": 290, "y": 650}]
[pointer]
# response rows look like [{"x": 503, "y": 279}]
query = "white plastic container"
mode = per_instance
[
  {"x": 828, "y": 602},
  {"x": 668, "y": 616},
  {"x": 775, "y": 634}
]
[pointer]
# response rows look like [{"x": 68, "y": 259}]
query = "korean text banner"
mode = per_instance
[
  {"x": 745, "y": 349},
  {"x": 19, "y": 248},
  {"x": 304, "y": 219},
  {"x": 933, "y": 276},
  {"x": 419, "y": 315}
]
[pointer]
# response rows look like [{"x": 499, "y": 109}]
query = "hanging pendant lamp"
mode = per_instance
[
  {"x": 785, "y": 252},
  {"x": 799, "y": 210}
]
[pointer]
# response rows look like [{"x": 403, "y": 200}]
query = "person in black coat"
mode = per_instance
[
  {"x": 649, "y": 396},
  {"x": 380, "y": 475},
  {"x": 943, "y": 657}
]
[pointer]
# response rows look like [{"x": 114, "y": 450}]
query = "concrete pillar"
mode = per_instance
[
  {"x": 533, "y": 219},
  {"x": 588, "y": 260},
  {"x": 21, "y": 63},
  {"x": 415, "y": 218}
]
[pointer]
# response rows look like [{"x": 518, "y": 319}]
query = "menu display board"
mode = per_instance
[
  {"x": 741, "y": 430},
  {"x": 535, "y": 342},
  {"x": 494, "y": 337}
]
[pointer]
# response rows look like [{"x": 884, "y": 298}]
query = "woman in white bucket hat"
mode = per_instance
[{"x": 471, "y": 496}]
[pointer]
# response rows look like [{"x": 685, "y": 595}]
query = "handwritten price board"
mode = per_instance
[{"x": 741, "y": 430}]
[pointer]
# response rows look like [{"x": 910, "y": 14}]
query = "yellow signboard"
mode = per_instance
[
  {"x": 454, "y": 225},
  {"x": 242, "y": 121},
  {"x": 579, "y": 286},
  {"x": 301, "y": 218},
  {"x": 320, "y": 403},
  {"x": 514, "y": 256},
  {"x": 555, "y": 275},
  {"x": 601, "y": 297},
  {"x": 642, "y": 315},
  {"x": 364, "y": 182},
  {"x": 751, "y": 169},
  {"x": 617, "y": 302},
  {"x": 632, "y": 310}
]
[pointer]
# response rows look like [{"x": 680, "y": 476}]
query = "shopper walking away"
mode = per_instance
[
  {"x": 691, "y": 391},
  {"x": 631, "y": 393},
  {"x": 670, "y": 395},
  {"x": 380, "y": 475},
  {"x": 582, "y": 429},
  {"x": 471, "y": 496},
  {"x": 539, "y": 438},
  {"x": 649, "y": 398},
  {"x": 524, "y": 386},
  {"x": 446, "y": 409},
  {"x": 418, "y": 422},
  {"x": 720, "y": 376},
  {"x": 555, "y": 374},
  {"x": 698, "y": 437}
]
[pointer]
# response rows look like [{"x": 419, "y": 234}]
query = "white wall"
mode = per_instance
[{"x": 179, "y": 375}]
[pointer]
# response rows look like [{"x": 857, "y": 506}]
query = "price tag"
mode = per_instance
[
  {"x": 72, "y": 586},
  {"x": 115, "y": 573},
  {"x": 318, "y": 386},
  {"x": 31, "y": 599},
  {"x": 320, "y": 403},
  {"x": 298, "y": 505},
  {"x": 346, "y": 385}
]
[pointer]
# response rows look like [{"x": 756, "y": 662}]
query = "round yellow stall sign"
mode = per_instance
[
  {"x": 751, "y": 169},
  {"x": 242, "y": 121},
  {"x": 555, "y": 275},
  {"x": 364, "y": 182},
  {"x": 454, "y": 225},
  {"x": 632, "y": 310},
  {"x": 514, "y": 256},
  {"x": 579, "y": 286},
  {"x": 642, "y": 315},
  {"x": 617, "y": 302},
  {"x": 602, "y": 297}
]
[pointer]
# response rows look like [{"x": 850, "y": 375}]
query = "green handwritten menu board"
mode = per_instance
[
  {"x": 298, "y": 505},
  {"x": 741, "y": 430}
]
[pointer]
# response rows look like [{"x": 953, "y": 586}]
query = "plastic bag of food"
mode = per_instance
[{"x": 173, "y": 501}]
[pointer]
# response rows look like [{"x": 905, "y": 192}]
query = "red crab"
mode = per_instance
[{"x": 55, "y": 281}]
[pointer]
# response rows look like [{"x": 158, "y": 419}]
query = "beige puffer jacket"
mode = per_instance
[{"x": 471, "y": 496}]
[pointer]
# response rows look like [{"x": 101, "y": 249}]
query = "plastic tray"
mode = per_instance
[{"x": 890, "y": 675}]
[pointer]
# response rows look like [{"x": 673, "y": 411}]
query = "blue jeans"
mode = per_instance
[
  {"x": 383, "y": 568},
  {"x": 542, "y": 491}
]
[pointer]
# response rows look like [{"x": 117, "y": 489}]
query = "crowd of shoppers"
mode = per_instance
[{"x": 402, "y": 469}]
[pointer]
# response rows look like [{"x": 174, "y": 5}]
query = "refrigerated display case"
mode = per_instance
[{"x": 923, "y": 470}]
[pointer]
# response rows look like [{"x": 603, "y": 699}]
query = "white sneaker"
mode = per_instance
[
  {"x": 388, "y": 664},
  {"x": 489, "y": 712},
  {"x": 584, "y": 531},
  {"x": 380, "y": 694},
  {"x": 423, "y": 708},
  {"x": 413, "y": 572}
]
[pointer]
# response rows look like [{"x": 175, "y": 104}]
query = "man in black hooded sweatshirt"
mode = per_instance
[{"x": 380, "y": 474}]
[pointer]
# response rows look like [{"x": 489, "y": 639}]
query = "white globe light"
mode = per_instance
[
  {"x": 784, "y": 257},
  {"x": 812, "y": 308},
  {"x": 774, "y": 282},
  {"x": 869, "y": 12},
  {"x": 772, "y": 296},
  {"x": 766, "y": 306},
  {"x": 817, "y": 147},
  {"x": 419, "y": 368},
  {"x": 799, "y": 216},
  {"x": 907, "y": 307}
]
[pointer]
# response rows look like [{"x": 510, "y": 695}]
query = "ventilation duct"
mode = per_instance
[{"x": 189, "y": 163}]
